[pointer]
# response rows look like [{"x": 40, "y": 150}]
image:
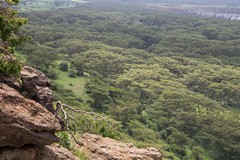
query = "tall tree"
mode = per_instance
[{"x": 10, "y": 37}]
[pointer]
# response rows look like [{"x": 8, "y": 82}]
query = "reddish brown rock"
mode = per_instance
[
  {"x": 11, "y": 81},
  {"x": 36, "y": 84},
  {"x": 36, "y": 153},
  {"x": 54, "y": 153},
  {"x": 108, "y": 149},
  {"x": 33, "y": 84},
  {"x": 24, "y": 121},
  {"x": 24, "y": 153}
]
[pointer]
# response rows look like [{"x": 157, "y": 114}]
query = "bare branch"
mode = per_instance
[
  {"x": 66, "y": 117},
  {"x": 84, "y": 112}
]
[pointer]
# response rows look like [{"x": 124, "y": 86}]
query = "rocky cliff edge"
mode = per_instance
[
  {"x": 100, "y": 148},
  {"x": 27, "y": 126}
]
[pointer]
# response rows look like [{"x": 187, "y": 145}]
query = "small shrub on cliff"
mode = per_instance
[
  {"x": 9, "y": 65},
  {"x": 64, "y": 140},
  {"x": 81, "y": 154}
]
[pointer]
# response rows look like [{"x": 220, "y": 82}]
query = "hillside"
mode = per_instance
[{"x": 170, "y": 81}]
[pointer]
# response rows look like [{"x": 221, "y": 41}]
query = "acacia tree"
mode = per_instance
[{"x": 10, "y": 37}]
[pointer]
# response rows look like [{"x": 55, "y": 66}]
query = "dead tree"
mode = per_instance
[{"x": 64, "y": 121}]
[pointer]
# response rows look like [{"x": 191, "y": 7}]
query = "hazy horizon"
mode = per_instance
[{"x": 191, "y": 2}]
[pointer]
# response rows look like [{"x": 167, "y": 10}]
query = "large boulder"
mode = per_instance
[
  {"x": 30, "y": 152},
  {"x": 24, "y": 121},
  {"x": 100, "y": 148}
]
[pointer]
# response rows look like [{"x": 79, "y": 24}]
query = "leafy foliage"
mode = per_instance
[
  {"x": 64, "y": 139},
  {"x": 9, "y": 65},
  {"x": 169, "y": 80},
  {"x": 10, "y": 24}
]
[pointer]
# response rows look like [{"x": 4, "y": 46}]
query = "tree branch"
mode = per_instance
[{"x": 66, "y": 117}]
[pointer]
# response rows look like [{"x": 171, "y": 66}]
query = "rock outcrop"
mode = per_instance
[
  {"x": 30, "y": 152},
  {"x": 12, "y": 82},
  {"x": 100, "y": 148},
  {"x": 26, "y": 127},
  {"x": 32, "y": 84},
  {"x": 24, "y": 121},
  {"x": 36, "y": 84}
]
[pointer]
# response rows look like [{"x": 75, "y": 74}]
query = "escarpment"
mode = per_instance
[{"x": 27, "y": 126}]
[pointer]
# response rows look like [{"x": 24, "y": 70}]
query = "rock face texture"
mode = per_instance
[
  {"x": 13, "y": 82},
  {"x": 36, "y": 153},
  {"x": 36, "y": 84},
  {"x": 26, "y": 127},
  {"x": 108, "y": 149},
  {"x": 24, "y": 121},
  {"x": 33, "y": 84},
  {"x": 53, "y": 152}
]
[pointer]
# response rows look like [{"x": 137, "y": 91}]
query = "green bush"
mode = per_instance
[
  {"x": 72, "y": 73},
  {"x": 64, "y": 140},
  {"x": 52, "y": 74},
  {"x": 9, "y": 66},
  {"x": 81, "y": 154},
  {"x": 80, "y": 73},
  {"x": 63, "y": 66}
]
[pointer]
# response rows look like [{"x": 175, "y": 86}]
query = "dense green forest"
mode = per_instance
[{"x": 169, "y": 81}]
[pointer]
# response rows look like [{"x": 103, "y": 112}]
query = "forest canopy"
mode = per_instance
[{"x": 170, "y": 81}]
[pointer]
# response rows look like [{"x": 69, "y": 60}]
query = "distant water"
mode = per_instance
[{"x": 224, "y": 12}]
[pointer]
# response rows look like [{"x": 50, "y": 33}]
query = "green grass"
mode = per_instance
[
  {"x": 74, "y": 84},
  {"x": 77, "y": 85}
]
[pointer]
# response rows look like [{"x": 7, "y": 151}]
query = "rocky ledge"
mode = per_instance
[
  {"x": 30, "y": 152},
  {"x": 100, "y": 148},
  {"x": 24, "y": 121},
  {"x": 27, "y": 126},
  {"x": 32, "y": 84}
]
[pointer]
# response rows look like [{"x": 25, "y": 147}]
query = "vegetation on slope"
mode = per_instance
[{"x": 171, "y": 81}]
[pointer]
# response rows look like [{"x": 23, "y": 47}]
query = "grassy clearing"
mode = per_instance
[{"x": 74, "y": 84}]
